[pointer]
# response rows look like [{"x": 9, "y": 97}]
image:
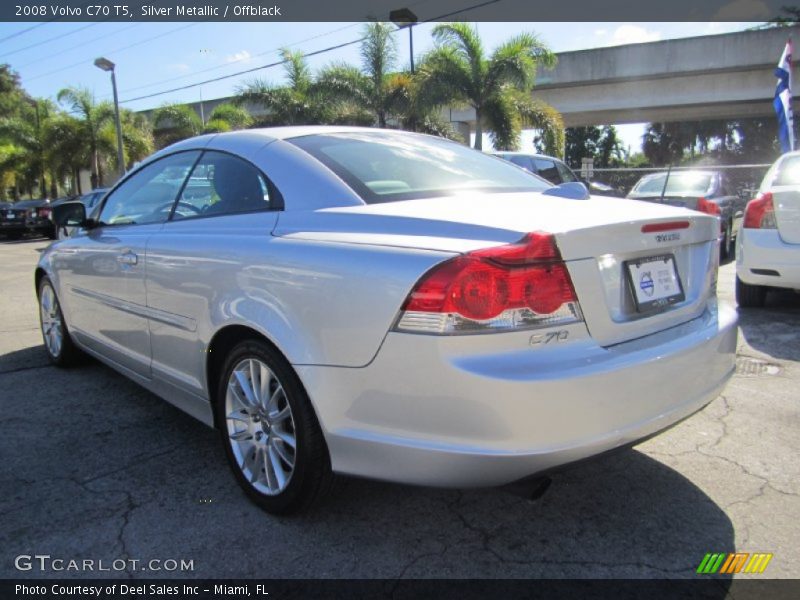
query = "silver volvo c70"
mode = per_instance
[{"x": 388, "y": 305}]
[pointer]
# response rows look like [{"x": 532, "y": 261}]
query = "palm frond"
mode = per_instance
[
  {"x": 502, "y": 119},
  {"x": 465, "y": 40}
]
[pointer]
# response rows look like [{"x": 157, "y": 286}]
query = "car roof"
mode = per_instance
[
  {"x": 518, "y": 153},
  {"x": 681, "y": 172},
  {"x": 294, "y": 131}
]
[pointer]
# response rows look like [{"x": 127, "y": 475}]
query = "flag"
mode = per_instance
[{"x": 783, "y": 99}]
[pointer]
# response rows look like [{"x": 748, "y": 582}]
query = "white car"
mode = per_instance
[
  {"x": 768, "y": 244},
  {"x": 389, "y": 305}
]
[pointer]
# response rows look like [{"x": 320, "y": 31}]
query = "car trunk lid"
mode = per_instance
[
  {"x": 786, "y": 202},
  {"x": 597, "y": 238}
]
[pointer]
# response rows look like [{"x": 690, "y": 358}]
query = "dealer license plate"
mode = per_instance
[{"x": 655, "y": 282}]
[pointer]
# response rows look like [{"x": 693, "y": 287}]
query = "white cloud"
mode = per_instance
[
  {"x": 242, "y": 56},
  {"x": 600, "y": 32},
  {"x": 744, "y": 10},
  {"x": 633, "y": 34}
]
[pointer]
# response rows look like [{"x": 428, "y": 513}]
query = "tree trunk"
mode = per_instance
[
  {"x": 96, "y": 179},
  {"x": 53, "y": 186},
  {"x": 478, "y": 131}
]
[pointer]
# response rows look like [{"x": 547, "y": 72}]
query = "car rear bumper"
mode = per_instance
[
  {"x": 763, "y": 258},
  {"x": 464, "y": 411}
]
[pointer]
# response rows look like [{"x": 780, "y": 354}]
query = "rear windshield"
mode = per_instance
[
  {"x": 789, "y": 171},
  {"x": 387, "y": 167},
  {"x": 679, "y": 183}
]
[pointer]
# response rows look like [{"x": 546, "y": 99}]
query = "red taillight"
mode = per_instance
[
  {"x": 483, "y": 284},
  {"x": 708, "y": 207},
  {"x": 760, "y": 213},
  {"x": 665, "y": 226}
]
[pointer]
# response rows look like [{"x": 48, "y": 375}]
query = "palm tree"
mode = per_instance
[
  {"x": 497, "y": 87},
  {"x": 66, "y": 150},
  {"x": 175, "y": 122},
  {"x": 374, "y": 88},
  {"x": 413, "y": 111},
  {"x": 94, "y": 116},
  {"x": 294, "y": 104},
  {"x": 227, "y": 117},
  {"x": 137, "y": 138}
]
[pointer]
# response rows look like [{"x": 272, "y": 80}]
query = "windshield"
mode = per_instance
[
  {"x": 789, "y": 172},
  {"x": 387, "y": 167},
  {"x": 679, "y": 183}
]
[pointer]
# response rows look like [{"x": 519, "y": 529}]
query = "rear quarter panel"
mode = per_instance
[{"x": 319, "y": 303}]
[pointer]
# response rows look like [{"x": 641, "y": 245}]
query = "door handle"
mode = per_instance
[{"x": 129, "y": 258}]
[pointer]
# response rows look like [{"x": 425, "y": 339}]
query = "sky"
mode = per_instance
[{"x": 156, "y": 57}]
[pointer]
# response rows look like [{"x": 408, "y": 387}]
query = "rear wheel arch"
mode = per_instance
[
  {"x": 37, "y": 278},
  {"x": 225, "y": 340}
]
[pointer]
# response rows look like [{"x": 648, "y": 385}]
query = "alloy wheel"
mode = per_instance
[
  {"x": 52, "y": 326},
  {"x": 260, "y": 426}
]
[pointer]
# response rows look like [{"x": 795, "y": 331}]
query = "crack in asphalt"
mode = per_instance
[{"x": 486, "y": 539}]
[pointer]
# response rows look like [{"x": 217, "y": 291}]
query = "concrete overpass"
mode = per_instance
[{"x": 724, "y": 76}]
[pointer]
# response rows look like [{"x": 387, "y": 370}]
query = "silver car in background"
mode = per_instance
[{"x": 388, "y": 305}]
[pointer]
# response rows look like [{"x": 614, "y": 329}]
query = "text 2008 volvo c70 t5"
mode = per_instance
[{"x": 389, "y": 305}]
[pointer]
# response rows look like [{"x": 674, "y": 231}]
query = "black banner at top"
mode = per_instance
[{"x": 397, "y": 10}]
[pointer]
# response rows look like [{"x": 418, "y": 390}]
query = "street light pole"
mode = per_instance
[
  {"x": 411, "y": 45},
  {"x": 107, "y": 65},
  {"x": 404, "y": 17}
]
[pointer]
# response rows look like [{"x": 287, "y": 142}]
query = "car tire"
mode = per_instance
[
  {"x": 259, "y": 423},
  {"x": 750, "y": 296},
  {"x": 58, "y": 343}
]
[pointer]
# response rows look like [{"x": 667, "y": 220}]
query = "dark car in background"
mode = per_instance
[
  {"x": 27, "y": 216},
  {"x": 707, "y": 191},
  {"x": 554, "y": 170}
]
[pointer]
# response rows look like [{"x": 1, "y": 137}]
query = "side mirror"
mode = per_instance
[
  {"x": 574, "y": 190},
  {"x": 70, "y": 214}
]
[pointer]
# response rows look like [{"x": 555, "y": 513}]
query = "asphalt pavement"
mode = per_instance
[{"x": 94, "y": 467}]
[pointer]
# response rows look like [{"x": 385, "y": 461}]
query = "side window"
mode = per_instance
[
  {"x": 547, "y": 169},
  {"x": 221, "y": 184},
  {"x": 148, "y": 195},
  {"x": 521, "y": 161},
  {"x": 566, "y": 175}
]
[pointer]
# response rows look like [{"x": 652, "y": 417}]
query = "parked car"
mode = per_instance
[
  {"x": 27, "y": 216},
  {"x": 389, "y": 305},
  {"x": 708, "y": 191},
  {"x": 768, "y": 244},
  {"x": 554, "y": 170}
]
